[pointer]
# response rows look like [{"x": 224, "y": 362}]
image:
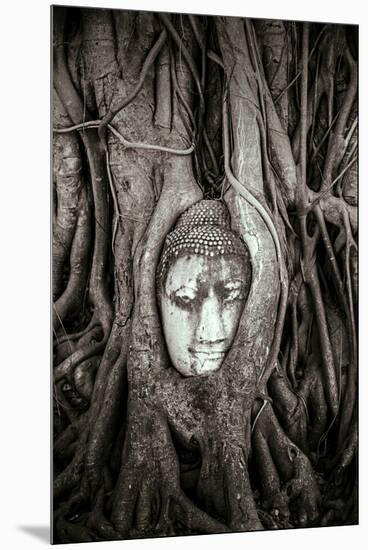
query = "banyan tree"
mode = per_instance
[{"x": 204, "y": 274}]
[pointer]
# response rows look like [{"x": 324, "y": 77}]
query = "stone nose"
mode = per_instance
[{"x": 210, "y": 329}]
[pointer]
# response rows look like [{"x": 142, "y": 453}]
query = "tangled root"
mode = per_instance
[{"x": 288, "y": 484}]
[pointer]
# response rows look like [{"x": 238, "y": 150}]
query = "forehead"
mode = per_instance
[{"x": 199, "y": 270}]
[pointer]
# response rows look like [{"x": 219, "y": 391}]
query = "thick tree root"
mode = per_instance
[
  {"x": 154, "y": 505},
  {"x": 71, "y": 300},
  {"x": 282, "y": 459}
]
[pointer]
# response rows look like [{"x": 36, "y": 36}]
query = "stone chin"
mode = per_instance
[{"x": 201, "y": 363}]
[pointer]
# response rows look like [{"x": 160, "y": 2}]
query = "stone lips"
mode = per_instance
[{"x": 202, "y": 229}]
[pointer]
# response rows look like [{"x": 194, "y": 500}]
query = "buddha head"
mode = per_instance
[{"x": 203, "y": 280}]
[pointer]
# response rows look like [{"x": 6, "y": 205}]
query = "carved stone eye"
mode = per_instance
[
  {"x": 184, "y": 296},
  {"x": 183, "y": 300},
  {"x": 233, "y": 290}
]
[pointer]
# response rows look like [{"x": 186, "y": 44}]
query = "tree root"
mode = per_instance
[
  {"x": 292, "y": 479},
  {"x": 71, "y": 300},
  {"x": 67, "y": 531},
  {"x": 69, "y": 435},
  {"x": 311, "y": 277},
  {"x": 290, "y": 407},
  {"x": 105, "y": 420},
  {"x": 273, "y": 499},
  {"x": 88, "y": 350},
  {"x": 70, "y": 477},
  {"x": 97, "y": 520},
  {"x": 68, "y": 184},
  {"x": 154, "y": 504},
  {"x": 157, "y": 47}
]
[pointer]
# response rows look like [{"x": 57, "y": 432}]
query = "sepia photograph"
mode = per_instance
[{"x": 204, "y": 262}]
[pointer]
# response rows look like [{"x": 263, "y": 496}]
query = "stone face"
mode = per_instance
[
  {"x": 203, "y": 281},
  {"x": 201, "y": 303}
]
